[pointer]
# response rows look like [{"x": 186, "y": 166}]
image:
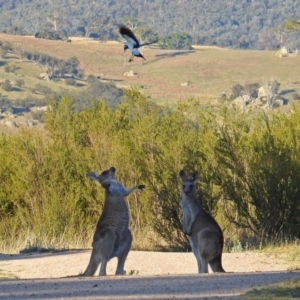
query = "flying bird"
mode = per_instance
[{"x": 133, "y": 43}]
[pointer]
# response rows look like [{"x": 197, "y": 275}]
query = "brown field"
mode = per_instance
[{"x": 209, "y": 70}]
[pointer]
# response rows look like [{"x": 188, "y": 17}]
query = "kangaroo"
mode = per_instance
[
  {"x": 202, "y": 230},
  {"x": 112, "y": 237}
]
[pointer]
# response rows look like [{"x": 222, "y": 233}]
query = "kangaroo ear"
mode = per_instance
[
  {"x": 93, "y": 175},
  {"x": 183, "y": 175},
  {"x": 195, "y": 176}
]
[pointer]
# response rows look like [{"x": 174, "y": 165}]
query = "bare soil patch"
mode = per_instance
[{"x": 150, "y": 275}]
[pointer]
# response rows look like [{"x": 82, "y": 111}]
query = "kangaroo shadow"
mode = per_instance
[
  {"x": 16, "y": 89},
  {"x": 20, "y": 110},
  {"x": 285, "y": 92},
  {"x": 40, "y": 254}
]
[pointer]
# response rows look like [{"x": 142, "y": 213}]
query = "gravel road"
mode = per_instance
[{"x": 155, "y": 275}]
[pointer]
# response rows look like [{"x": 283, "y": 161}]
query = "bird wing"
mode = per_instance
[
  {"x": 129, "y": 37},
  {"x": 145, "y": 44}
]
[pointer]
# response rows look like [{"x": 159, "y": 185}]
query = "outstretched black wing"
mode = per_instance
[
  {"x": 129, "y": 37},
  {"x": 145, "y": 44}
]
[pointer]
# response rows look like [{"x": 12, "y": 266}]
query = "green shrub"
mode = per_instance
[
  {"x": 7, "y": 68},
  {"x": 6, "y": 85},
  {"x": 248, "y": 166},
  {"x": 10, "y": 68},
  {"x": 38, "y": 115},
  {"x": 70, "y": 81},
  {"x": 20, "y": 82},
  {"x": 41, "y": 89},
  {"x": 295, "y": 96},
  {"x": 91, "y": 79},
  {"x": 5, "y": 104}
]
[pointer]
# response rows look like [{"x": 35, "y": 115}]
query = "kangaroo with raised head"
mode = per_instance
[
  {"x": 112, "y": 237},
  {"x": 202, "y": 230}
]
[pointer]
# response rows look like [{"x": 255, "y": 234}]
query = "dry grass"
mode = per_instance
[
  {"x": 283, "y": 291},
  {"x": 143, "y": 240},
  {"x": 289, "y": 251},
  {"x": 29, "y": 242},
  {"x": 210, "y": 71}
]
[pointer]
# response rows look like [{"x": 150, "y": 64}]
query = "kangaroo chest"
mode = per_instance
[{"x": 115, "y": 215}]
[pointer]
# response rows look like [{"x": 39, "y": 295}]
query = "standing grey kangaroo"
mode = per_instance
[
  {"x": 203, "y": 232},
  {"x": 113, "y": 237}
]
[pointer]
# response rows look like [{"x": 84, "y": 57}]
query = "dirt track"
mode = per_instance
[{"x": 155, "y": 275}]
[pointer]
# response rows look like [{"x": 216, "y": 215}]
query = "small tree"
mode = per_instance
[
  {"x": 146, "y": 34},
  {"x": 237, "y": 90},
  {"x": 95, "y": 27},
  {"x": 20, "y": 82},
  {"x": 5, "y": 104},
  {"x": 6, "y": 85},
  {"x": 177, "y": 40},
  {"x": 132, "y": 22},
  {"x": 272, "y": 91},
  {"x": 292, "y": 25}
]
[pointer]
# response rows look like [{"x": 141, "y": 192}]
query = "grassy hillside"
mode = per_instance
[
  {"x": 237, "y": 24},
  {"x": 209, "y": 71}
]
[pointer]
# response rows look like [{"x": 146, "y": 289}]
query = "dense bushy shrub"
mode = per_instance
[
  {"x": 295, "y": 96},
  {"x": 41, "y": 89},
  {"x": 56, "y": 68},
  {"x": 70, "y": 81},
  {"x": 97, "y": 90},
  {"x": 6, "y": 85},
  {"x": 38, "y": 115},
  {"x": 248, "y": 166},
  {"x": 176, "y": 40},
  {"x": 5, "y": 104},
  {"x": 20, "y": 82}
]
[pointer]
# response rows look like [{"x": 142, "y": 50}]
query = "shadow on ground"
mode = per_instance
[{"x": 198, "y": 286}]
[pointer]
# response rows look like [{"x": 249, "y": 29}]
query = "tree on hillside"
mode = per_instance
[
  {"x": 272, "y": 91},
  {"x": 17, "y": 30},
  {"x": 98, "y": 26},
  {"x": 235, "y": 24},
  {"x": 47, "y": 32},
  {"x": 268, "y": 39},
  {"x": 176, "y": 40},
  {"x": 57, "y": 19},
  {"x": 4, "y": 49},
  {"x": 249, "y": 90},
  {"x": 132, "y": 22},
  {"x": 59, "y": 68},
  {"x": 292, "y": 25},
  {"x": 52, "y": 29},
  {"x": 146, "y": 34},
  {"x": 56, "y": 68},
  {"x": 292, "y": 29}
]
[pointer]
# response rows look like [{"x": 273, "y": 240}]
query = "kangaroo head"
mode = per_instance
[
  {"x": 105, "y": 177},
  {"x": 189, "y": 183}
]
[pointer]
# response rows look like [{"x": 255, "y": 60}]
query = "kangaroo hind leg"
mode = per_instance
[
  {"x": 95, "y": 260},
  {"x": 216, "y": 264},
  {"x": 122, "y": 251}
]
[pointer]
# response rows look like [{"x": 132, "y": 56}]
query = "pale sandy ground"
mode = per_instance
[{"x": 150, "y": 275}]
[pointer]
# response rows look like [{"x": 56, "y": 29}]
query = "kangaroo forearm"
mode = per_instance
[{"x": 129, "y": 191}]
